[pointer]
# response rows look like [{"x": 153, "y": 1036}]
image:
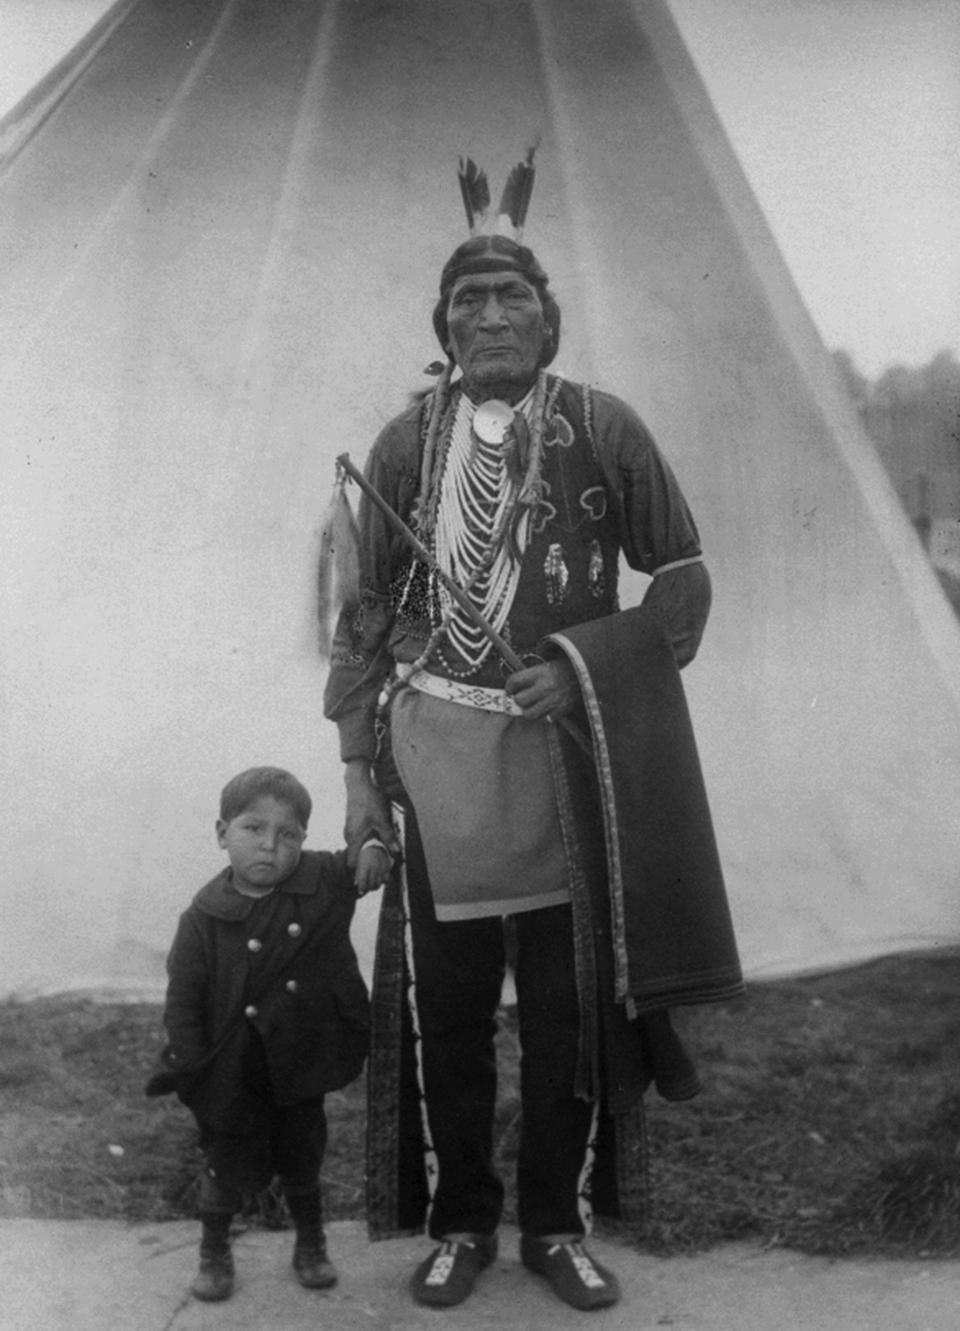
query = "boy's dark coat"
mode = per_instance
[{"x": 284, "y": 966}]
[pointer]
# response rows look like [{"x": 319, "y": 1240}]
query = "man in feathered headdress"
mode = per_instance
[{"x": 553, "y": 780}]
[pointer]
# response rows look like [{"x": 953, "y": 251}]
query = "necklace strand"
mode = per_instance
[
  {"x": 474, "y": 497},
  {"x": 486, "y": 525},
  {"x": 476, "y": 502}
]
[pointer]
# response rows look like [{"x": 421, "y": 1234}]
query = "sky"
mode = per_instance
[{"x": 845, "y": 115}]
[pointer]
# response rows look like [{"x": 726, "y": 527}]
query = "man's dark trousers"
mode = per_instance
[{"x": 458, "y": 977}]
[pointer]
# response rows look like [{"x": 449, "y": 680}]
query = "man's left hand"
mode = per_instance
[{"x": 544, "y": 691}]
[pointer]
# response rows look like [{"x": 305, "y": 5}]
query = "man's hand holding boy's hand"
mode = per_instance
[{"x": 374, "y": 863}]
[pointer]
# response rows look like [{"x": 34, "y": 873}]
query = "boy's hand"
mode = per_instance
[{"x": 373, "y": 869}]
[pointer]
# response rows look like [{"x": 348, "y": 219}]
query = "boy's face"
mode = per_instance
[{"x": 263, "y": 842}]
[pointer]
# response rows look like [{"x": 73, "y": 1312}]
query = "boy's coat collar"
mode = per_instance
[{"x": 220, "y": 899}]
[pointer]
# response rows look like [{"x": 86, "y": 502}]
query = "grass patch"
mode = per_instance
[{"x": 830, "y": 1122}]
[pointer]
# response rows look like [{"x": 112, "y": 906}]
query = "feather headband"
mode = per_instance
[{"x": 514, "y": 201}]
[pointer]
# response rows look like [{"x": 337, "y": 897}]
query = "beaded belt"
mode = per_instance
[{"x": 467, "y": 695}]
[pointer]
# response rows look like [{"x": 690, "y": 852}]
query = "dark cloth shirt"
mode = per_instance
[{"x": 609, "y": 491}]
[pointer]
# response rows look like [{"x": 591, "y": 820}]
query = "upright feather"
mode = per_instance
[
  {"x": 515, "y": 199},
  {"x": 476, "y": 193}
]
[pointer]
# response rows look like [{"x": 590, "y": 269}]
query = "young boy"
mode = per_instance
[{"x": 266, "y": 1011}]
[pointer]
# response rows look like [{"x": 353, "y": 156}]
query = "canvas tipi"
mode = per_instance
[{"x": 222, "y": 225}]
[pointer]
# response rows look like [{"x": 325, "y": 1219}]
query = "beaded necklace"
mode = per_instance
[
  {"x": 475, "y": 518},
  {"x": 476, "y": 501}
]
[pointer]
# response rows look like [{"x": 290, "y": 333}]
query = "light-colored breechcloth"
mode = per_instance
[{"x": 479, "y": 778}]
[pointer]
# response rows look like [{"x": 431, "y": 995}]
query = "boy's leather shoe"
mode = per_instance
[
  {"x": 448, "y": 1275},
  {"x": 572, "y": 1273},
  {"x": 214, "y": 1278},
  {"x": 314, "y": 1269}
]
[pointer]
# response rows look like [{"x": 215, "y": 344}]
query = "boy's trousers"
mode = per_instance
[{"x": 291, "y": 1146}]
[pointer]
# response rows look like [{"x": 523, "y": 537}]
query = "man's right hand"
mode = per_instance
[
  {"x": 374, "y": 863},
  {"x": 368, "y": 810}
]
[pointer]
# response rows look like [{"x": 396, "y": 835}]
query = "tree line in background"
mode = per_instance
[{"x": 912, "y": 415}]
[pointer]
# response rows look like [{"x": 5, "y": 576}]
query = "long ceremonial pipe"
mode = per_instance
[{"x": 456, "y": 591}]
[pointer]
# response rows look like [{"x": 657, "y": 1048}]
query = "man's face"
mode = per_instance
[
  {"x": 263, "y": 843},
  {"x": 496, "y": 327}
]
